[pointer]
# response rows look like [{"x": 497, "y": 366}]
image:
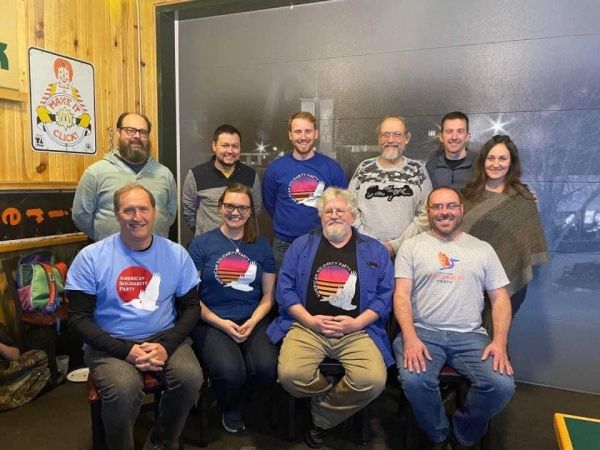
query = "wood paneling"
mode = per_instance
[{"x": 103, "y": 33}]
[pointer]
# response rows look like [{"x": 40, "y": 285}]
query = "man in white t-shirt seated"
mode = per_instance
[
  {"x": 134, "y": 300},
  {"x": 438, "y": 301}
]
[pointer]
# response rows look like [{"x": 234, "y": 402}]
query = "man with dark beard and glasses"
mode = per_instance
[
  {"x": 334, "y": 292},
  {"x": 130, "y": 162},
  {"x": 438, "y": 300},
  {"x": 391, "y": 187}
]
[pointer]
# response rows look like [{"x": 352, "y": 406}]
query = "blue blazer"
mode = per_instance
[{"x": 375, "y": 272}]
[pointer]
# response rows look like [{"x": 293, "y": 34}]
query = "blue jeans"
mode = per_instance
[
  {"x": 488, "y": 395},
  {"x": 279, "y": 248},
  {"x": 121, "y": 389},
  {"x": 234, "y": 367}
]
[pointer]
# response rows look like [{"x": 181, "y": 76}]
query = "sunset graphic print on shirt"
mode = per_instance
[
  {"x": 305, "y": 189},
  {"x": 336, "y": 283},
  {"x": 236, "y": 271}
]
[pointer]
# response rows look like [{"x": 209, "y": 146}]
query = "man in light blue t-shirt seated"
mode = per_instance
[
  {"x": 133, "y": 299},
  {"x": 438, "y": 301}
]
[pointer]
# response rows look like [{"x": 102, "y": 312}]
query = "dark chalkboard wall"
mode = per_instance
[{"x": 527, "y": 68}]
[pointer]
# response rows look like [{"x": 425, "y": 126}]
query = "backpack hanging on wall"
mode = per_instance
[{"x": 40, "y": 281}]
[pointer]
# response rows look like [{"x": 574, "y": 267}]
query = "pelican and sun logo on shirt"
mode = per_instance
[
  {"x": 305, "y": 189},
  {"x": 336, "y": 283},
  {"x": 446, "y": 263},
  {"x": 235, "y": 270}
]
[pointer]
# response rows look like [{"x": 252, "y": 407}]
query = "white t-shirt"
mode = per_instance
[{"x": 449, "y": 279}]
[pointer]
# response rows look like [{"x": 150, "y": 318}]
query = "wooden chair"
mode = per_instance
[
  {"x": 28, "y": 322},
  {"x": 330, "y": 368}
]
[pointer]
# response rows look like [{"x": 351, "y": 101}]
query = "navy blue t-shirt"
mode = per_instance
[{"x": 231, "y": 273}]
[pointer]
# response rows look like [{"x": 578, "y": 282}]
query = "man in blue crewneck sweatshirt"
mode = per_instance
[{"x": 293, "y": 183}]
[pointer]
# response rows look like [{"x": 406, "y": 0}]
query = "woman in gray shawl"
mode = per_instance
[{"x": 502, "y": 211}]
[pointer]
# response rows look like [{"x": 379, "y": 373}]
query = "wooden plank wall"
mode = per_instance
[{"x": 104, "y": 33}]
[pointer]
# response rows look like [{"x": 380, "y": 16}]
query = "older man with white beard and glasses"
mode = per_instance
[
  {"x": 438, "y": 300},
  {"x": 391, "y": 187},
  {"x": 334, "y": 293},
  {"x": 130, "y": 162}
]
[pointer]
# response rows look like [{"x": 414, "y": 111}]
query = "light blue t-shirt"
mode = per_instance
[{"x": 135, "y": 291}]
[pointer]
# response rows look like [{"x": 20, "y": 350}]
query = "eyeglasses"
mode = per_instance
[
  {"x": 392, "y": 134},
  {"x": 131, "y": 132},
  {"x": 230, "y": 207},
  {"x": 336, "y": 211},
  {"x": 441, "y": 206}
]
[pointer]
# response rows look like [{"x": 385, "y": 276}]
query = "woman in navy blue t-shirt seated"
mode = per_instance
[{"x": 237, "y": 273}]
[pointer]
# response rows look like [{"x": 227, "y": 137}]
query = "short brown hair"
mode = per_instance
[
  {"x": 445, "y": 188},
  {"x": 302, "y": 115},
  {"x": 453, "y": 116},
  {"x": 128, "y": 188},
  {"x": 251, "y": 225}
]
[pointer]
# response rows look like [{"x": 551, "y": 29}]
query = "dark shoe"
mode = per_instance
[
  {"x": 232, "y": 422},
  {"x": 458, "y": 446},
  {"x": 438, "y": 445},
  {"x": 315, "y": 437}
]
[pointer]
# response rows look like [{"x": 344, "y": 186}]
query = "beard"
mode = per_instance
[
  {"x": 135, "y": 155},
  {"x": 445, "y": 231},
  {"x": 391, "y": 152},
  {"x": 336, "y": 232}
]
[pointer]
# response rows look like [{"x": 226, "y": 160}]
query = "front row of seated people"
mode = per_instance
[{"x": 134, "y": 301}]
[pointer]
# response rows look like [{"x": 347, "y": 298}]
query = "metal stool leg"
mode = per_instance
[{"x": 365, "y": 430}]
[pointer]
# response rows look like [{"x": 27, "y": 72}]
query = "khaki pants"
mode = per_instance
[{"x": 301, "y": 353}]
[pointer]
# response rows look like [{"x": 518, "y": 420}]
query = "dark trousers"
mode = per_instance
[{"x": 233, "y": 368}]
